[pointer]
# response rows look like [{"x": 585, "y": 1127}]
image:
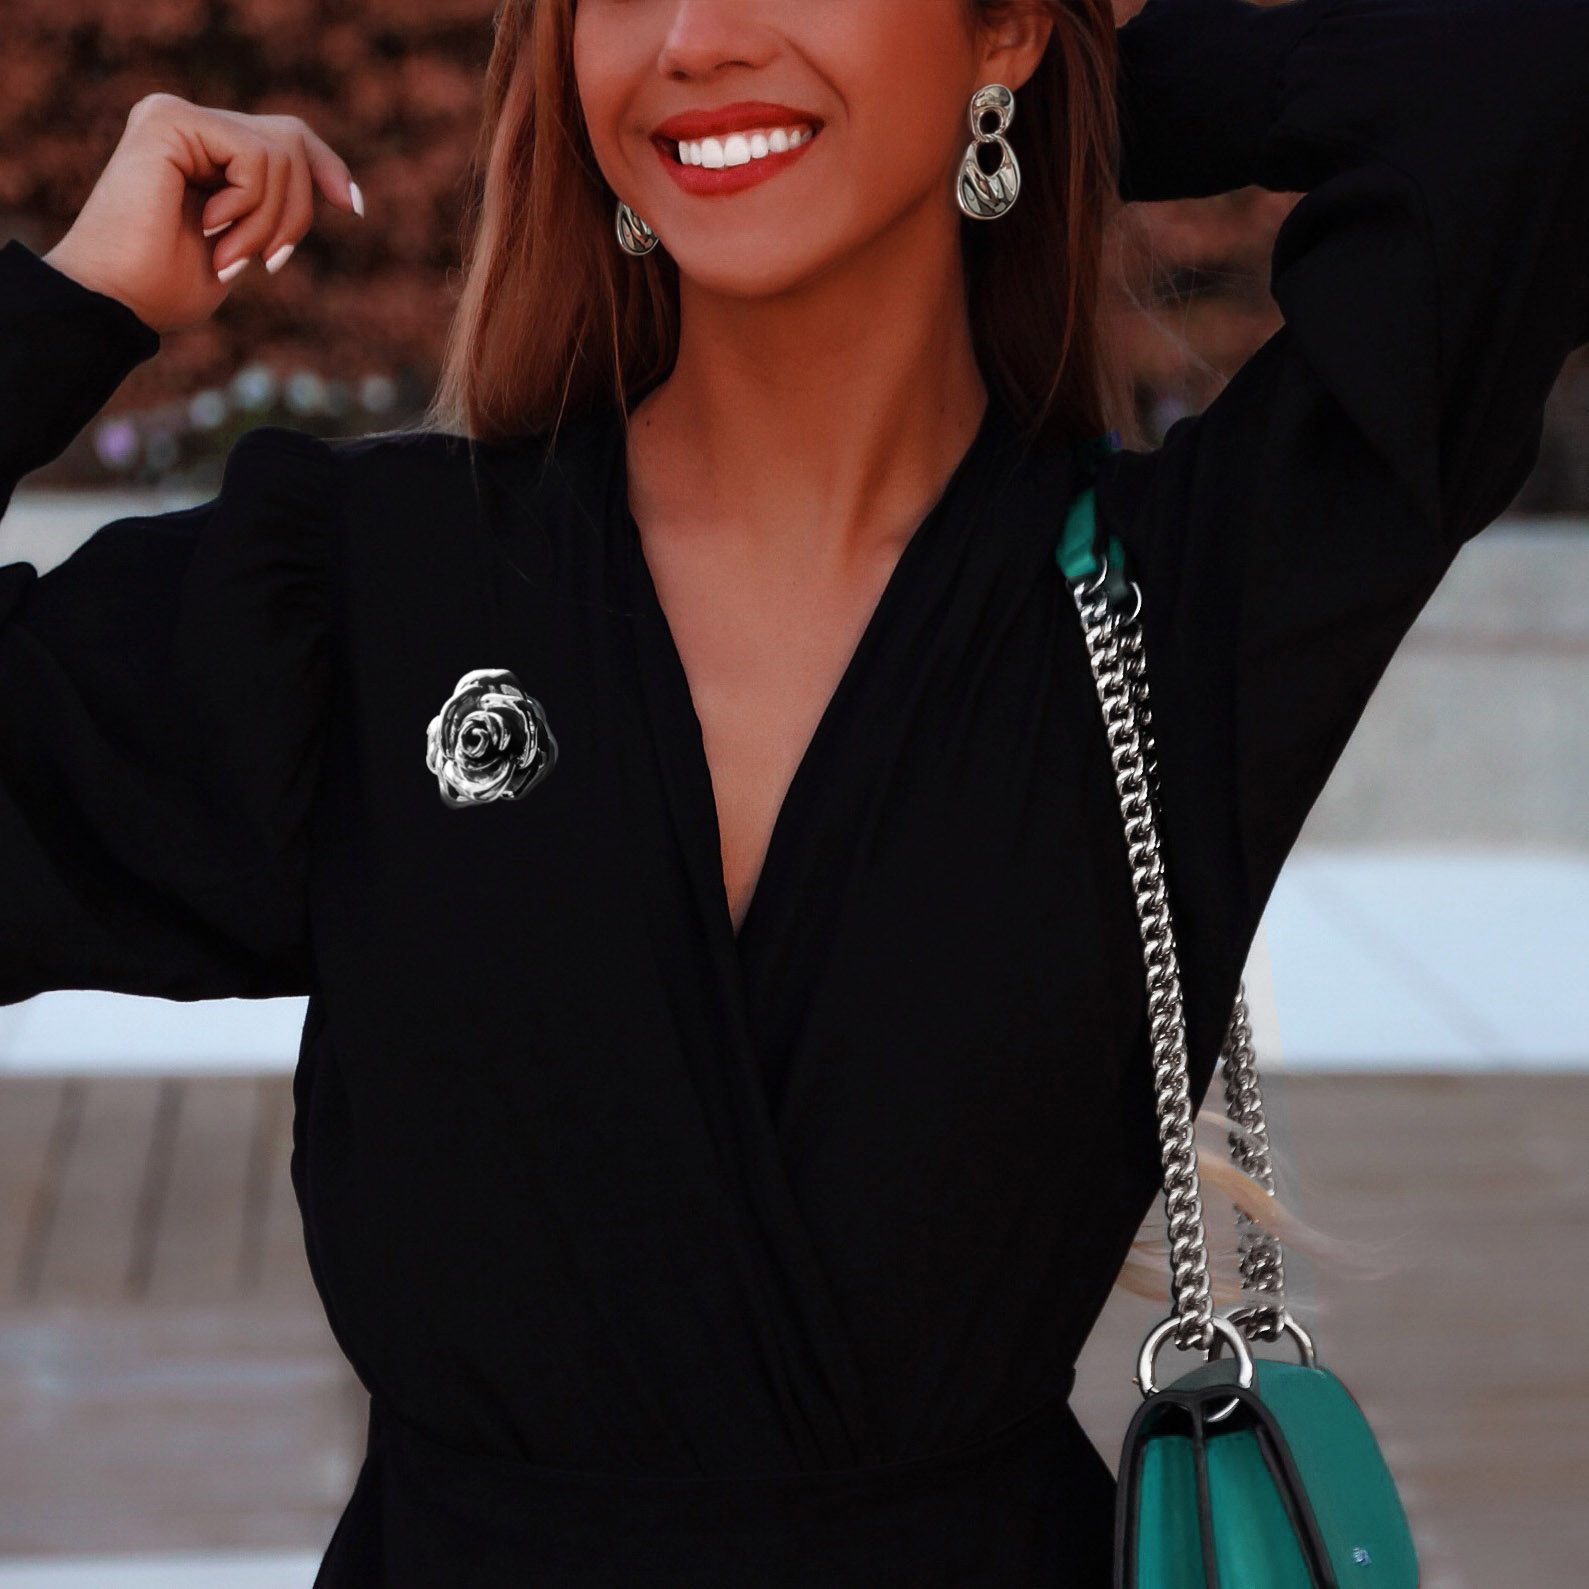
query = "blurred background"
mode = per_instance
[{"x": 173, "y": 1410}]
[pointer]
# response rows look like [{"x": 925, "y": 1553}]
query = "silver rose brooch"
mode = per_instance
[{"x": 490, "y": 741}]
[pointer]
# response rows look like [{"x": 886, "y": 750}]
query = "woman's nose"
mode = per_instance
[{"x": 704, "y": 36}]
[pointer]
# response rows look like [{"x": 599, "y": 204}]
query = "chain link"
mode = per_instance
[
  {"x": 1115, "y": 653},
  {"x": 1258, "y": 1251},
  {"x": 1119, "y": 677}
]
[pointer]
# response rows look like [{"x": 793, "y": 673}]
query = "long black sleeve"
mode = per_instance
[
  {"x": 63, "y": 351},
  {"x": 1433, "y": 278},
  {"x": 162, "y": 692}
]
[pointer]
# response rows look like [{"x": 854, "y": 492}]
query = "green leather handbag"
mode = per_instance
[{"x": 1246, "y": 1472}]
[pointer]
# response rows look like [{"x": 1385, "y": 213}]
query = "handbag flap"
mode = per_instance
[
  {"x": 1206, "y": 1505},
  {"x": 1324, "y": 1444}
]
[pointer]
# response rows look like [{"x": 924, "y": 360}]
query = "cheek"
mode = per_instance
[
  {"x": 604, "y": 75},
  {"x": 907, "y": 81}
]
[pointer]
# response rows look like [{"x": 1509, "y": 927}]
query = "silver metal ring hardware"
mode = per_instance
[
  {"x": 1096, "y": 585},
  {"x": 1242, "y": 1318},
  {"x": 1223, "y": 1331}
]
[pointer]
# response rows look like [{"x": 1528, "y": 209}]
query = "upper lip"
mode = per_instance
[{"x": 741, "y": 116}]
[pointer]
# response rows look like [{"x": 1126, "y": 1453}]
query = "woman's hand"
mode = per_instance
[{"x": 182, "y": 170}]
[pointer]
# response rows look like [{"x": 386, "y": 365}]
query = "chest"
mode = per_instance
[
  {"x": 912, "y": 795},
  {"x": 900, "y": 770},
  {"x": 764, "y": 648}
]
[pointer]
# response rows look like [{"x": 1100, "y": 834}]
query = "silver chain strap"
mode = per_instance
[
  {"x": 1258, "y": 1253},
  {"x": 1119, "y": 669}
]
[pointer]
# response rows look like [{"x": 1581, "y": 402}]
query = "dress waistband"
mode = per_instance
[{"x": 1030, "y": 1504}]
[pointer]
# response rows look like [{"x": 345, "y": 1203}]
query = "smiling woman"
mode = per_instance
[
  {"x": 674, "y": 775},
  {"x": 552, "y": 319}
]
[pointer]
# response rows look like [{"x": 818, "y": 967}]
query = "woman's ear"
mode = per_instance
[{"x": 1014, "y": 41}]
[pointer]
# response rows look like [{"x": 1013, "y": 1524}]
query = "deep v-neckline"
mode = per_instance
[{"x": 797, "y": 792}]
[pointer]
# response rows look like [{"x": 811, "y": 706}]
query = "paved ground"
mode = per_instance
[
  {"x": 166, "y": 1375},
  {"x": 167, "y": 1383}
]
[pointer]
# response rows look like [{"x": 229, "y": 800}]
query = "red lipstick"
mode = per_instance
[{"x": 742, "y": 116}]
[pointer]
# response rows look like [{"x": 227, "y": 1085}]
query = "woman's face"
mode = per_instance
[{"x": 871, "y": 95}]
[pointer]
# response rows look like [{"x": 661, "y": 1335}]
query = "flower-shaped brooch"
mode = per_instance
[{"x": 489, "y": 742}]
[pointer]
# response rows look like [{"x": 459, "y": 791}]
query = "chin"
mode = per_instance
[{"x": 748, "y": 270}]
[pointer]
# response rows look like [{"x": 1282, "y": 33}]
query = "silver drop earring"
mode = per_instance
[
  {"x": 634, "y": 236},
  {"x": 985, "y": 197}
]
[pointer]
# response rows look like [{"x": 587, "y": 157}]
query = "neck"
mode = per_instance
[{"x": 822, "y": 421}]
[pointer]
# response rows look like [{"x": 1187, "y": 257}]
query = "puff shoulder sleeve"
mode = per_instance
[{"x": 162, "y": 692}]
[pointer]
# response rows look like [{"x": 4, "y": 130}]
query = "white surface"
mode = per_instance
[
  {"x": 44, "y": 525},
  {"x": 166, "y": 1572},
  {"x": 1446, "y": 960},
  {"x": 105, "y": 1032},
  {"x": 1388, "y": 959}
]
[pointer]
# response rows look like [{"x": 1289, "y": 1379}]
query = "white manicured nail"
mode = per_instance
[
  {"x": 228, "y": 272},
  {"x": 357, "y": 197},
  {"x": 280, "y": 257},
  {"x": 210, "y": 231}
]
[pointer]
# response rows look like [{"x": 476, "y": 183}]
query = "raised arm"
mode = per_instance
[
  {"x": 161, "y": 692},
  {"x": 1437, "y": 272},
  {"x": 1433, "y": 278},
  {"x": 51, "y": 387}
]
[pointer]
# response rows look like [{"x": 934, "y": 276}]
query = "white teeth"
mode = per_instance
[{"x": 737, "y": 148}]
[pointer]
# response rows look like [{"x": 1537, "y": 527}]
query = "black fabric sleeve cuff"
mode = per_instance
[
  {"x": 1199, "y": 90},
  {"x": 64, "y": 349}
]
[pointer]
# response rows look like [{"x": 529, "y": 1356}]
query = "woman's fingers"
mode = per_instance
[
  {"x": 259, "y": 170},
  {"x": 331, "y": 174},
  {"x": 243, "y": 159},
  {"x": 272, "y": 166},
  {"x": 296, "y": 214},
  {"x": 246, "y": 182}
]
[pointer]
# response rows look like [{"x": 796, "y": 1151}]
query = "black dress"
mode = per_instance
[{"x": 675, "y": 1258}]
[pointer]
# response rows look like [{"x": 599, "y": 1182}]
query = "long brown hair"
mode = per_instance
[{"x": 554, "y": 319}]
